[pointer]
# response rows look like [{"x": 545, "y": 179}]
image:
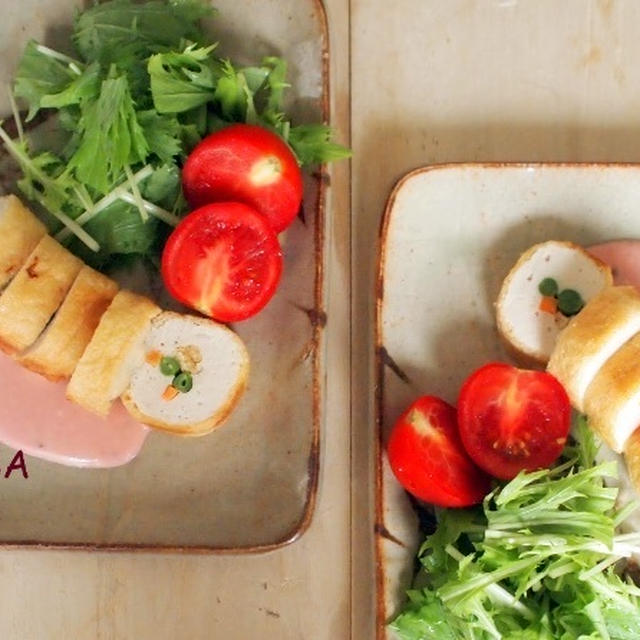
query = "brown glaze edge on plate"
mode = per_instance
[
  {"x": 382, "y": 356},
  {"x": 318, "y": 329},
  {"x": 318, "y": 318}
]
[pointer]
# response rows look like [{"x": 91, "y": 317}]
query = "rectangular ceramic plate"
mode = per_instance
[
  {"x": 250, "y": 485},
  {"x": 449, "y": 236}
]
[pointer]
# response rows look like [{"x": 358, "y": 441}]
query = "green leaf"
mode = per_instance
[
  {"x": 256, "y": 77},
  {"x": 191, "y": 134},
  {"x": 82, "y": 88},
  {"x": 119, "y": 230},
  {"x": 182, "y": 81},
  {"x": 196, "y": 120},
  {"x": 163, "y": 187},
  {"x": 192, "y": 10},
  {"x": 276, "y": 82},
  {"x": 232, "y": 94},
  {"x": 111, "y": 139},
  {"x": 452, "y": 524},
  {"x": 620, "y": 624},
  {"x": 40, "y": 75},
  {"x": 43, "y": 175},
  {"x": 425, "y": 617},
  {"x": 162, "y": 133},
  {"x": 312, "y": 144},
  {"x": 587, "y": 446},
  {"x": 121, "y": 31},
  {"x": 252, "y": 94}
]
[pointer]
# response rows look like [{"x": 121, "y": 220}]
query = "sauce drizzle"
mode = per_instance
[{"x": 36, "y": 417}]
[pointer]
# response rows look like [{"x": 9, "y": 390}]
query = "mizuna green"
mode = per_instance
[
  {"x": 538, "y": 560},
  {"x": 142, "y": 89}
]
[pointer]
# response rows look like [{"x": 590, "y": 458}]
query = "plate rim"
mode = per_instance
[
  {"x": 318, "y": 321},
  {"x": 380, "y": 357}
]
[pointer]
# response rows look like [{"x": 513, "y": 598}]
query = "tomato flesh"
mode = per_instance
[
  {"x": 427, "y": 457},
  {"x": 513, "y": 419},
  {"x": 223, "y": 260},
  {"x": 249, "y": 164}
]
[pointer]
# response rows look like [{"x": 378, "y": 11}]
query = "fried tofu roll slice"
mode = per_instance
[
  {"x": 592, "y": 337},
  {"x": 612, "y": 400},
  {"x": 35, "y": 294},
  {"x": 529, "y": 320},
  {"x": 194, "y": 373},
  {"x": 113, "y": 354},
  {"x": 59, "y": 349},
  {"x": 20, "y": 231}
]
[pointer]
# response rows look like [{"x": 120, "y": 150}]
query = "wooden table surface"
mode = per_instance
[
  {"x": 437, "y": 81},
  {"x": 413, "y": 82},
  {"x": 298, "y": 592}
]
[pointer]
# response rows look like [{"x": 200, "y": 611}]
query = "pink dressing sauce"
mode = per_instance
[
  {"x": 36, "y": 417},
  {"x": 623, "y": 256}
]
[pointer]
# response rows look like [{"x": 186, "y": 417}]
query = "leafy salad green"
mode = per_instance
[
  {"x": 143, "y": 89},
  {"x": 538, "y": 560}
]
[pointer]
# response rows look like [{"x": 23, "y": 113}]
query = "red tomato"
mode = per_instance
[
  {"x": 223, "y": 260},
  {"x": 249, "y": 164},
  {"x": 428, "y": 459},
  {"x": 513, "y": 419}
]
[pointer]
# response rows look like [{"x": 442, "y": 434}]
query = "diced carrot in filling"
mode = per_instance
[
  {"x": 548, "y": 304},
  {"x": 170, "y": 393},
  {"x": 153, "y": 358}
]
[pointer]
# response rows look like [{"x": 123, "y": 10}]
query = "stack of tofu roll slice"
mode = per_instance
[
  {"x": 62, "y": 319},
  {"x": 593, "y": 349}
]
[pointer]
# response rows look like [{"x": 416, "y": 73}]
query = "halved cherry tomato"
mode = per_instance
[
  {"x": 513, "y": 419},
  {"x": 249, "y": 164},
  {"x": 223, "y": 260},
  {"x": 428, "y": 459}
]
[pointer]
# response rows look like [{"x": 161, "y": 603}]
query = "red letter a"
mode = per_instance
[{"x": 17, "y": 463}]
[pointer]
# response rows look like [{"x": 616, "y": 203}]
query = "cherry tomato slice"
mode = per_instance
[
  {"x": 513, "y": 419},
  {"x": 249, "y": 164},
  {"x": 428, "y": 459},
  {"x": 223, "y": 260}
]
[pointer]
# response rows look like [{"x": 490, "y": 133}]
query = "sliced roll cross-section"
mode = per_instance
[
  {"x": 548, "y": 285},
  {"x": 20, "y": 231},
  {"x": 35, "y": 294},
  {"x": 114, "y": 352},
  {"x": 59, "y": 349},
  {"x": 194, "y": 372}
]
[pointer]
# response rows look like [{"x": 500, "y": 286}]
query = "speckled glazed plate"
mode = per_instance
[
  {"x": 450, "y": 234},
  {"x": 251, "y": 485}
]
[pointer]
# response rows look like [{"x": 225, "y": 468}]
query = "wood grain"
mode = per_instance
[
  {"x": 298, "y": 592},
  {"x": 463, "y": 81}
]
